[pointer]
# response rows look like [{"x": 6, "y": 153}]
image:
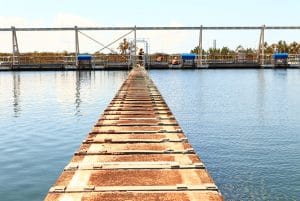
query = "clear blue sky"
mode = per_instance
[{"x": 48, "y": 13}]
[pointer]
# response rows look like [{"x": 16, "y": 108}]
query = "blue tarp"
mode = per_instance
[
  {"x": 84, "y": 57},
  {"x": 187, "y": 56},
  {"x": 280, "y": 56}
]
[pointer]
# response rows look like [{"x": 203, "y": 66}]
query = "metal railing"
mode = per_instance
[{"x": 111, "y": 59}]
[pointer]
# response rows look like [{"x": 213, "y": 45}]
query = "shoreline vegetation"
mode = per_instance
[{"x": 281, "y": 46}]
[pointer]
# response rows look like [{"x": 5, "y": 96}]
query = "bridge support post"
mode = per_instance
[
  {"x": 15, "y": 47},
  {"x": 76, "y": 46},
  {"x": 134, "y": 55},
  {"x": 200, "y": 47},
  {"x": 261, "y": 46},
  {"x": 147, "y": 56}
]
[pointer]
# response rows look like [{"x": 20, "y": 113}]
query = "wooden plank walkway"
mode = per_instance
[{"x": 136, "y": 151}]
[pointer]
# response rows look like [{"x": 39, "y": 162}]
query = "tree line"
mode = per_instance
[{"x": 282, "y": 47}]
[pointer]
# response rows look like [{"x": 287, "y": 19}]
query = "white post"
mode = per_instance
[
  {"x": 263, "y": 45},
  {"x": 76, "y": 46},
  {"x": 134, "y": 55},
  {"x": 15, "y": 46},
  {"x": 258, "y": 49},
  {"x": 147, "y": 60},
  {"x": 200, "y": 48}
]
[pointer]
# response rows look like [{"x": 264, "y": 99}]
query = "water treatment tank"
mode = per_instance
[
  {"x": 188, "y": 56},
  {"x": 84, "y": 57},
  {"x": 280, "y": 56}
]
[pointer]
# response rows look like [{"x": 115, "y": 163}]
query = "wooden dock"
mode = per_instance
[{"x": 137, "y": 152}]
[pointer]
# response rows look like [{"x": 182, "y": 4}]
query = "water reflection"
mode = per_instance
[
  {"x": 16, "y": 93},
  {"x": 245, "y": 157},
  {"x": 81, "y": 76},
  {"x": 280, "y": 73},
  {"x": 41, "y": 107},
  {"x": 261, "y": 90},
  {"x": 71, "y": 88},
  {"x": 249, "y": 127}
]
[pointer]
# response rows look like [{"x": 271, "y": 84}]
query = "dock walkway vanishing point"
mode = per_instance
[{"x": 137, "y": 152}]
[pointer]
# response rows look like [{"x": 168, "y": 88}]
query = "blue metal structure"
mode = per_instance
[
  {"x": 280, "y": 56},
  {"x": 84, "y": 57},
  {"x": 188, "y": 56}
]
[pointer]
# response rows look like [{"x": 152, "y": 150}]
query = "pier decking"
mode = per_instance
[{"x": 136, "y": 151}]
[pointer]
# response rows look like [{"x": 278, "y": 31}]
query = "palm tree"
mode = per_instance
[
  {"x": 123, "y": 46},
  {"x": 196, "y": 50},
  {"x": 293, "y": 48},
  {"x": 239, "y": 48},
  {"x": 225, "y": 50},
  {"x": 214, "y": 51},
  {"x": 250, "y": 51},
  {"x": 269, "y": 49},
  {"x": 282, "y": 46}
]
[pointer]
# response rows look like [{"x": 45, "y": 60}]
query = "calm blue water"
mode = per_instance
[
  {"x": 245, "y": 124},
  {"x": 44, "y": 116}
]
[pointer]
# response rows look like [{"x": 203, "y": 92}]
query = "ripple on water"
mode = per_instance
[
  {"x": 243, "y": 124},
  {"x": 42, "y": 125}
]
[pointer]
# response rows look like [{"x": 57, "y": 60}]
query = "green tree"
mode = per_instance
[
  {"x": 269, "y": 49},
  {"x": 123, "y": 46},
  {"x": 213, "y": 51},
  {"x": 250, "y": 51},
  {"x": 196, "y": 50},
  {"x": 294, "y": 48},
  {"x": 282, "y": 46},
  {"x": 225, "y": 50},
  {"x": 239, "y": 48}
]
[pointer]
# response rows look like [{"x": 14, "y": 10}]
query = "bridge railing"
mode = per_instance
[
  {"x": 6, "y": 60},
  {"x": 206, "y": 59},
  {"x": 30, "y": 60},
  {"x": 155, "y": 59},
  {"x": 235, "y": 58},
  {"x": 294, "y": 59}
]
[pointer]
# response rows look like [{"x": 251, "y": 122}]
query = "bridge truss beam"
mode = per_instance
[{"x": 154, "y": 28}]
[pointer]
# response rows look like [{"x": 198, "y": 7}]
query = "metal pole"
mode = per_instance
[
  {"x": 259, "y": 48},
  {"x": 15, "y": 46},
  {"x": 200, "y": 48},
  {"x": 263, "y": 45},
  {"x": 76, "y": 46},
  {"x": 147, "y": 56},
  {"x": 134, "y": 55},
  {"x": 155, "y": 28}
]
